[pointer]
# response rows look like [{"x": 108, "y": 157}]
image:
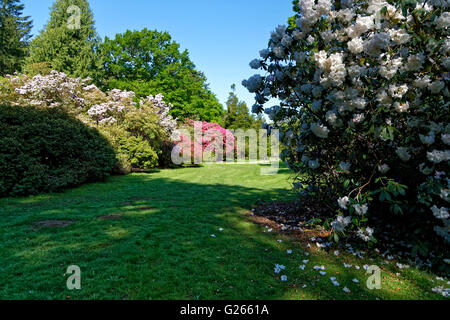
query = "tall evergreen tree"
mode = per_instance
[
  {"x": 14, "y": 36},
  {"x": 238, "y": 115},
  {"x": 69, "y": 40}
]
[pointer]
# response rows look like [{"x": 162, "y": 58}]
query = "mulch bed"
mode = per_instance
[
  {"x": 295, "y": 219},
  {"x": 290, "y": 218}
]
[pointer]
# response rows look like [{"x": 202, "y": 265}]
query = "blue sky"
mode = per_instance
[{"x": 222, "y": 36}]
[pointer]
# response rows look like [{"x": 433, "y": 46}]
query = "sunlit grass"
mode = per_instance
[{"x": 156, "y": 243}]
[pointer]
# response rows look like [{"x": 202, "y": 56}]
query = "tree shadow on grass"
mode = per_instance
[
  {"x": 283, "y": 168},
  {"x": 172, "y": 240}
]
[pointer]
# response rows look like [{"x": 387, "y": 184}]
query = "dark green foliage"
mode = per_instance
[
  {"x": 150, "y": 62},
  {"x": 69, "y": 49},
  {"x": 14, "y": 36},
  {"x": 42, "y": 68},
  {"x": 48, "y": 151},
  {"x": 238, "y": 115},
  {"x": 139, "y": 152}
]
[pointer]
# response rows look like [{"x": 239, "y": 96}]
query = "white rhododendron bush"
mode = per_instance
[
  {"x": 364, "y": 111},
  {"x": 139, "y": 129}
]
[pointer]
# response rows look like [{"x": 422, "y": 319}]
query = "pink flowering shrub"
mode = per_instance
[
  {"x": 364, "y": 113},
  {"x": 211, "y": 140}
]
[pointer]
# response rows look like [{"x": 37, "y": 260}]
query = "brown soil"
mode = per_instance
[
  {"x": 116, "y": 216},
  {"x": 52, "y": 224},
  {"x": 290, "y": 219},
  {"x": 145, "y": 208}
]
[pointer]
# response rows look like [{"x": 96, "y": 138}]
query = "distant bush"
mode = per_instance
[
  {"x": 43, "y": 150},
  {"x": 210, "y": 138},
  {"x": 42, "y": 68},
  {"x": 132, "y": 151},
  {"x": 141, "y": 154}
]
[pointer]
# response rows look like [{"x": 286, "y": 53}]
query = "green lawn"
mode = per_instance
[{"x": 160, "y": 246}]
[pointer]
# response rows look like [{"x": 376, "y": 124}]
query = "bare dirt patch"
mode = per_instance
[
  {"x": 114, "y": 216},
  {"x": 52, "y": 224},
  {"x": 146, "y": 208},
  {"x": 142, "y": 199},
  {"x": 290, "y": 218}
]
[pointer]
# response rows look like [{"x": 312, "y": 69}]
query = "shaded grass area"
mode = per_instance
[{"x": 149, "y": 236}]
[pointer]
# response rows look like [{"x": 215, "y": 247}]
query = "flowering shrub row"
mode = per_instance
[
  {"x": 364, "y": 109},
  {"x": 140, "y": 130}
]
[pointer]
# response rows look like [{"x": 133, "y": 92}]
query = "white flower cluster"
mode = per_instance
[
  {"x": 341, "y": 223},
  {"x": 166, "y": 121},
  {"x": 365, "y": 235},
  {"x": 117, "y": 102},
  {"x": 79, "y": 97},
  {"x": 357, "y": 75},
  {"x": 53, "y": 90}
]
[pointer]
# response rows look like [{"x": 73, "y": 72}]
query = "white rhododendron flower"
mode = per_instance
[
  {"x": 362, "y": 25},
  {"x": 436, "y": 87},
  {"x": 422, "y": 83},
  {"x": 401, "y": 107},
  {"x": 443, "y": 22},
  {"x": 445, "y": 194},
  {"x": 403, "y": 154},
  {"x": 427, "y": 139},
  {"x": 361, "y": 209},
  {"x": 264, "y": 53},
  {"x": 355, "y": 45},
  {"x": 400, "y": 36},
  {"x": 319, "y": 130},
  {"x": 437, "y": 156},
  {"x": 441, "y": 213},
  {"x": 313, "y": 164},
  {"x": 255, "y": 64},
  {"x": 345, "y": 166},
  {"x": 415, "y": 62},
  {"x": 341, "y": 223},
  {"x": 331, "y": 118},
  {"x": 327, "y": 36},
  {"x": 366, "y": 234},
  {"x": 397, "y": 91},
  {"x": 279, "y": 52},
  {"x": 383, "y": 168},
  {"x": 390, "y": 67},
  {"x": 343, "y": 202},
  {"x": 425, "y": 170},
  {"x": 446, "y": 138},
  {"x": 254, "y": 83},
  {"x": 358, "y": 118}
]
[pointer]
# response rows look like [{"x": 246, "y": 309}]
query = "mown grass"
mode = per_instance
[{"x": 161, "y": 245}]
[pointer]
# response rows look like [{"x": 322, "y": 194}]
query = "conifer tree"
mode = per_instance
[
  {"x": 238, "y": 115},
  {"x": 14, "y": 36},
  {"x": 69, "y": 41}
]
